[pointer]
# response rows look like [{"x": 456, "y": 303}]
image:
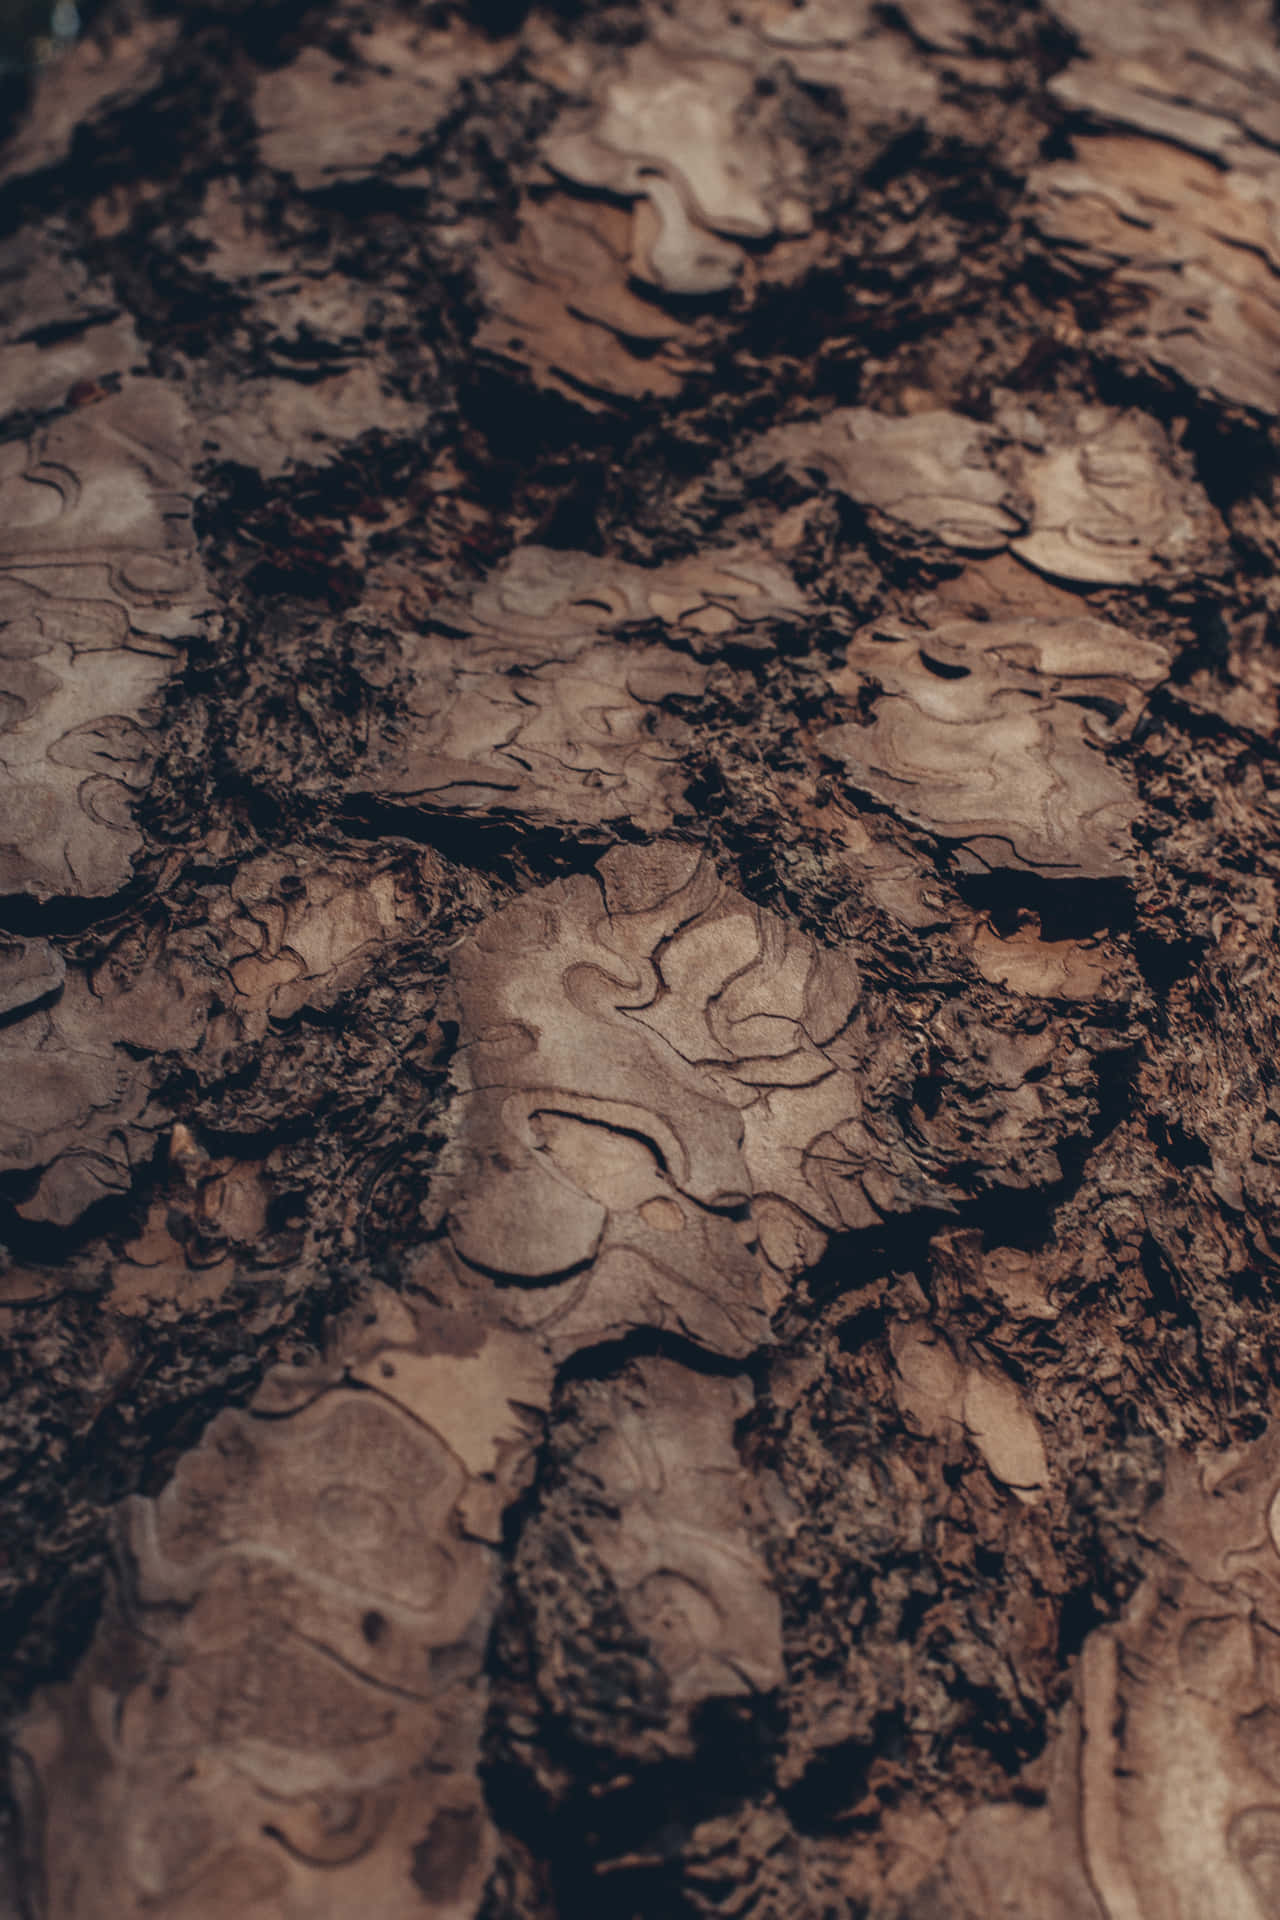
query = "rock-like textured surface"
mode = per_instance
[
  {"x": 324, "y": 121},
  {"x": 300, "y": 1729},
  {"x": 993, "y": 733},
  {"x": 1160, "y": 1790},
  {"x": 1108, "y": 505},
  {"x": 934, "y": 472},
  {"x": 100, "y": 583},
  {"x": 82, "y": 1095},
  {"x": 524, "y": 703},
  {"x": 639, "y": 1141},
  {"x": 1172, "y": 188}
]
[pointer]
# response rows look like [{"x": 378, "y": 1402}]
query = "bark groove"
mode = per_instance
[{"x": 639, "y": 1124}]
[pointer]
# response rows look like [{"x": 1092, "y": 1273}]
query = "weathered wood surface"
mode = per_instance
[{"x": 639, "y": 1120}]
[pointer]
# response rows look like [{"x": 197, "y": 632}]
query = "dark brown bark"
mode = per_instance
[{"x": 638, "y": 1003}]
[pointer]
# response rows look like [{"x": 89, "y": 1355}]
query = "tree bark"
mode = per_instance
[{"x": 639, "y": 1118}]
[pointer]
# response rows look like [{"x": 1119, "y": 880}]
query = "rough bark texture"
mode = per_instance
[{"x": 639, "y": 1111}]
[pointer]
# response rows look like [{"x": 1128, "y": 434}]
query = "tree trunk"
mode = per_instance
[{"x": 638, "y": 993}]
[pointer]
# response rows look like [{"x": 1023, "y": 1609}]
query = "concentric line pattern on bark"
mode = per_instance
[
  {"x": 701, "y": 136},
  {"x": 99, "y": 582},
  {"x": 639, "y": 1068},
  {"x": 1099, "y": 499},
  {"x": 1162, "y": 1792},
  {"x": 701, "y": 1520},
  {"x": 665, "y": 1100},
  {"x": 80, "y": 1102},
  {"x": 305, "y": 1623},
  {"x": 1174, "y": 201},
  {"x": 993, "y": 733},
  {"x": 525, "y": 703}
]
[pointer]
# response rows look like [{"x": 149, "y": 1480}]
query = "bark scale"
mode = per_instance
[{"x": 638, "y": 1005}]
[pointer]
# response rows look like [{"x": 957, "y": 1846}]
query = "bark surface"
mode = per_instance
[{"x": 639, "y": 1110}]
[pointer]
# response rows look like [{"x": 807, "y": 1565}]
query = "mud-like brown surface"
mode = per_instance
[{"x": 639, "y": 1122}]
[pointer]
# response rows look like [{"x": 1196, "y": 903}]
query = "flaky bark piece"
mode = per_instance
[
  {"x": 872, "y": 64},
  {"x": 713, "y": 592},
  {"x": 593, "y": 1164},
  {"x": 1100, "y": 498},
  {"x": 935, "y": 472},
  {"x": 1110, "y": 503},
  {"x": 582, "y": 741},
  {"x": 1205, "y": 77},
  {"x": 994, "y": 734},
  {"x": 943, "y": 1394},
  {"x": 1177, "y": 199},
  {"x": 670, "y": 1559},
  {"x": 667, "y": 1098},
  {"x": 212, "y": 1221},
  {"x": 296, "y": 929},
  {"x": 99, "y": 578},
  {"x": 81, "y": 1070},
  {"x": 559, "y": 302},
  {"x": 1163, "y": 1787},
  {"x": 284, "y": 1717},
  {"x": 527, "y": 705},
  {"x": 325, "y": 121},
  {"x": 704, "y": 156},
  {"x": 1194, "y": 242}
]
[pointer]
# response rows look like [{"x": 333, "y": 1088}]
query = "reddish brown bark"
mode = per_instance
[{"x": 638, "y": 1010}]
